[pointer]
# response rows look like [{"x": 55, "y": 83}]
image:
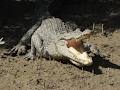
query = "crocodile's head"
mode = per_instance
[
  {"x": 74, "y": 50},
  {"x": 79, "y": 56}
]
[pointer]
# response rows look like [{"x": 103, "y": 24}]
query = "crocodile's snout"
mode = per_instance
[{"x": 81, "y": 58}]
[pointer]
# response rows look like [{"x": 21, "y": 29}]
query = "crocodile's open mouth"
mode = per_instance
[
  {"x": 76, "y": 43},
  {"x": 75, "y": 46}
]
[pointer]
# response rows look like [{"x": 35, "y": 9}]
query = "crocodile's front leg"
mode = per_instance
[
  {"x": 32, "y": 53},
  {"x": 36, "y": 46}
]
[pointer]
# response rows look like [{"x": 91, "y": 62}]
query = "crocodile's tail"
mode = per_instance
[{"x": 1, "y": 42}]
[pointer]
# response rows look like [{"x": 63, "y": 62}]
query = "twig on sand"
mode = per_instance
[
  {"x": 102, "y": 28},
  {"x": 93, "y": 27}
]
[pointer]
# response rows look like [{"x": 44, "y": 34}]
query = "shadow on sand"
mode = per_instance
[{"x": 100, "y": 61}]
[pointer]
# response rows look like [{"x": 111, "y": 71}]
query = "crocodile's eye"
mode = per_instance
[{"x": 76, "y": 44}]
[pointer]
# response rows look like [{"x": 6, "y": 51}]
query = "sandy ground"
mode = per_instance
[{"x": 41, "y": 74}]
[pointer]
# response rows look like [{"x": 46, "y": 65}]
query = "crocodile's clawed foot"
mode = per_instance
[
  {"x": 17, "y": 50},
  {"x": 29, "y": 56}
]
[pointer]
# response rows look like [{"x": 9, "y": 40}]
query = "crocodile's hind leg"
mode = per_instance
[
  {"x": 92, "y": 49},
  {"x": 21, "y": 47},
  {"x": 36, "y": 46}
]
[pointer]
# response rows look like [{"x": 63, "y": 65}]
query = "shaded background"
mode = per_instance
[
  {"x": 17, "y": 16},
  {"x": 94, "y": 10}
]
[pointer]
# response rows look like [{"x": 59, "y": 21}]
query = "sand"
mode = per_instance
[{"x": 41, "y": 74}]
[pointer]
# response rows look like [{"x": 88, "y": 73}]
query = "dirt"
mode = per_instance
[{"x": 41, "y": 74}]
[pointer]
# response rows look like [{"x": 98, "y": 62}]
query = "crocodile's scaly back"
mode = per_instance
[
  {"x": 52, "y": 29},
  {"x": 54, "y": 25}
]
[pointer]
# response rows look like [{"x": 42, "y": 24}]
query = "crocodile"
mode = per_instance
[
  {"x": 54, "y": 38},
  {"x": 58, "y": 40}
]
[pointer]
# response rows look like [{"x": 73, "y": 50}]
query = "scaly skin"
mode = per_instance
[{"x": 50, "y": 40}]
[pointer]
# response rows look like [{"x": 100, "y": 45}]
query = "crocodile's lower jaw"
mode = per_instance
[
  {"x": 76, "y": 63},
  {"x": 81, "y": 58}
]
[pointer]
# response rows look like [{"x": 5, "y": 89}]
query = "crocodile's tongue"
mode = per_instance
[{"x": 82, "y": 58}]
